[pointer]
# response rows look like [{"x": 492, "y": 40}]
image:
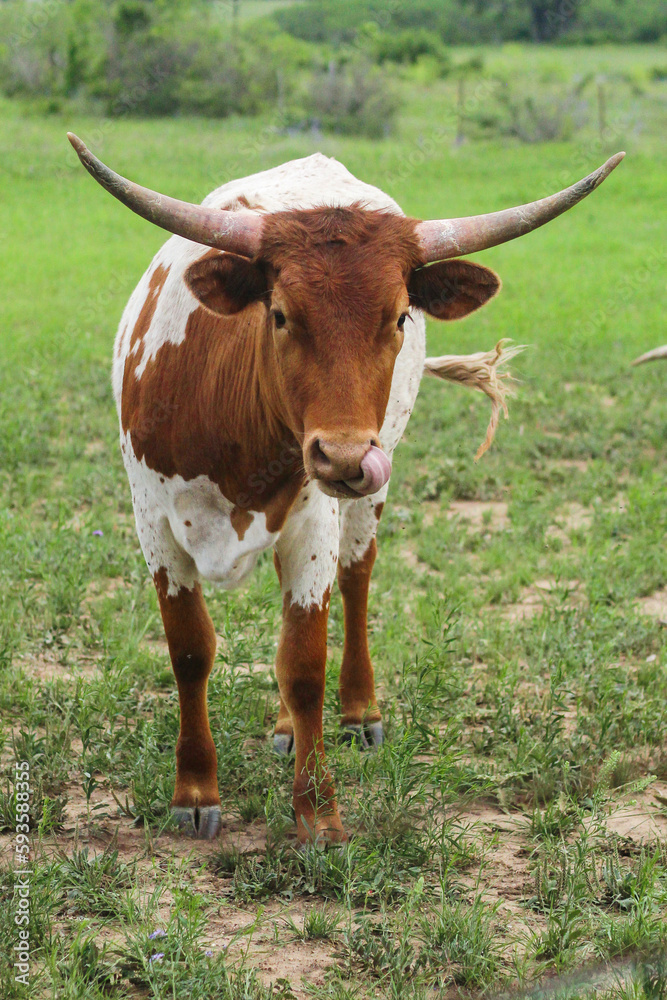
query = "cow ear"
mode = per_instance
[
  {"x": 451, "y": 289},
  {"x": 226, "y": 283}
]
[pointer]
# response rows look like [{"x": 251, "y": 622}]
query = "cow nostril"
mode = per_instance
[
  {"x": 333, "y": 460},
  {"x": 318, "y": 455}
]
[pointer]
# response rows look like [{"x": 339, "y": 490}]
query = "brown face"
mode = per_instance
[
  {"x": 335, "y": 352},
  {"x": 338, "y": 285}
]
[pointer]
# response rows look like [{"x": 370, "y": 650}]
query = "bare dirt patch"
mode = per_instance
[
  {"x": 575, "y": 517},
  {"x": 655, "y": 605},
  {"x": 533, "y": 599},
  {"x": 570, "y": 518},
  {"x": 644, "y": 818},
  {"x": 95, "y": 447},
  {"x": 107, "y": 586},
  {"x": 262, "y": 935},
  {"x": 619, "y": 504},
  {"x": 412, "y": 560},
  {"x": 48, "y": 666},
  {"x": 506, "y": 859},
  {"x": 490, "y": 817},
  {"x": 302, "y": 960},
  {"x": 490, "y": 515}
]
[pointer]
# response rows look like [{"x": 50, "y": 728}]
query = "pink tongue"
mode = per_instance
[{"x": 376, "y": 469}]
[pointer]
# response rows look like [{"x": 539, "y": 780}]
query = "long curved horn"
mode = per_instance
[
  {"x": 239, "y": 232},
  {"x": 443, "y": 238},
  {"x": 654, "y": 355}
]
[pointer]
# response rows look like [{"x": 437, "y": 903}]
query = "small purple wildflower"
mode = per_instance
[
  {"x": 156, "y": 934},
  {"x": 209, "y": 954},
  {"x": 98, "y": 532},
  {"x": 157, "y": 957}
]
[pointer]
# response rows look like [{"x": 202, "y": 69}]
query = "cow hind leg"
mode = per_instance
[
  {"x": 361, "y": 719},
  {"x": 192, "y": 643}
]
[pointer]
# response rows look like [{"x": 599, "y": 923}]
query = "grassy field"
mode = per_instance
[{"x": 515, "y": 823}]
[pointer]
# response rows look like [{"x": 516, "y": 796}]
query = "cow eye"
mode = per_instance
[
  {"x": 279, "y": 318},
  {"x": 401, "y": 320}
]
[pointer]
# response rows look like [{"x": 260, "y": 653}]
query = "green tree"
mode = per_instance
[{"x": 552, "y": 18}]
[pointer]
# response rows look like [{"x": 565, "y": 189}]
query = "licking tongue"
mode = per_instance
[{"x": 376, "y": 470}]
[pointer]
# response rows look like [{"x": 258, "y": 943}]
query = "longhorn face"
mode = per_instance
[{"x": 337, "y": 285}]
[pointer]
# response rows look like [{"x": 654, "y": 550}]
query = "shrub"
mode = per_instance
[
  {"x": 131, "y": 16},
  {"x": 354, "y": 100},
  {"x": 244, "y": 75},
  {"x": 147, "y": 59},
  {"x": 407, "y": 46},
  {"x": 142, "y": 75}
]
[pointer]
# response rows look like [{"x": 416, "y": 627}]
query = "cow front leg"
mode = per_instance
[
  {"x": 192, "y": 643},
  {"x": 300, "y": 668},
  {"x": 305, "y": 558},
  {"x": 361, "y": 719}
]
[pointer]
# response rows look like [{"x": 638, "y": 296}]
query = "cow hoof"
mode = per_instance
[
  {"x": 375, "y": 734},
  {"x": 283, "y": 744},
  {"x": 325, "y": 837},
  {"x": 367, "y": 737},
  {"x": 201, "y": 822},
  {"x": 354, "y": 736}
]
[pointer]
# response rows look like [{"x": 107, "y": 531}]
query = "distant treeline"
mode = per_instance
[
  {"x": 334, "y": 65},
  {"x": 195, "y": 57},
  {"x": 470, "y": 22}
]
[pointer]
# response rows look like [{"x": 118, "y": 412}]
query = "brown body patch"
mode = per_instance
[{"x": 241, "y": 521}]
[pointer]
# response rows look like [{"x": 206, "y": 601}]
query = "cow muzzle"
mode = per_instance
[{"x": 347, "y": 469}]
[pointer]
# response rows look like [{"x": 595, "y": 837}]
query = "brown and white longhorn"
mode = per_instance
[{"x": 265, "y": 369}]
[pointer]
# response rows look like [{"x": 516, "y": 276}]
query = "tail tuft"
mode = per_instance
[{"x": 480, "y": 371}]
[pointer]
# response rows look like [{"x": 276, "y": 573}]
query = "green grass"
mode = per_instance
[{"x": 484, "y": 850}]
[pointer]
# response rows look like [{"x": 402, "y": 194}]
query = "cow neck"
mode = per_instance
[
  {"x": 210, "y": 406},
  {"x": 268, "y": 472}
]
